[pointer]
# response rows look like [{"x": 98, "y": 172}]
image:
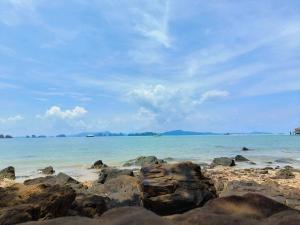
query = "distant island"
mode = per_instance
[{"x": 5, "y": 136}]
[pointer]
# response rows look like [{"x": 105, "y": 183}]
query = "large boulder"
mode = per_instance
[
  {"x": 250, "y": 209},
  {"x": 121, "y": 191},
  {"x": 19, "y": 214},
  {"x": 8, "y": 173},
  {"x": 109, "y": 173},
  {"x": 143, "y": 161},
  {"x": 223, "y": 161},
  {"x": 174, "y": 188},
  {"x": 47, "y": 170},
  {"x": 61, "y": 179},
  {"x": 98, "y": 165},
  {"x": 34, "y": 202}
]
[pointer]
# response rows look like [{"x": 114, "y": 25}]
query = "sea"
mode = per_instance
[{"x": 74, "y": 155}]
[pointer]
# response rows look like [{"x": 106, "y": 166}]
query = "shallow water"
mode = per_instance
[{"x": 74, "y": 155}]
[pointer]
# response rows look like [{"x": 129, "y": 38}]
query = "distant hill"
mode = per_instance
[
  {"x": 183, "y": 132},
  {"x": 143, "y": 134},
  {"x": 98, "y": 134}
]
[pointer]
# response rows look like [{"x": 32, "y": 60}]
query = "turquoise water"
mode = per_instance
[{"x": 73, "y": 155}]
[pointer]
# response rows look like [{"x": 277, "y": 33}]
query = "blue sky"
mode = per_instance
[{"x": 91, "y": 65}]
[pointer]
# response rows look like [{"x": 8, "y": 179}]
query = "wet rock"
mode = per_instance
[
  {"x": 8, "y": 173},
  {"x": 174, "y": 188},
  {"x": 121, "y": 191},
  {"x": 223, "y": 161},
  {"x": 89, "y": 205},
  {"x": 98, "y": 165},
  {"x": 245, "y": 149},
  {"x": 109, "y": 173},
  {"x": 284, "y": 174},
  {"x": 48, "y": 170},
  {"x": 285, "y": 161},
  {"x": 240, "y": 158},
  {"x": 144, "y": 160}
]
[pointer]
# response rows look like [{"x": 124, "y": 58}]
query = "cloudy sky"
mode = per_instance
[{"x": 91, "y": 65}]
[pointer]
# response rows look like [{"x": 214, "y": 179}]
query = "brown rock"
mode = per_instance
[
  {"x": 89, "y": 205},
  {"x": 122, "y": 191},
  {"x": 174, "y": 188},
  {"x": 8, "y": 173}
]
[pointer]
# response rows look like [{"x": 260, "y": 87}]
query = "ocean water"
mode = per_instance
[{"x": 75, "y": 155}]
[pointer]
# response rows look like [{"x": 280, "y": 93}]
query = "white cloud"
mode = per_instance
[
  {"x": 57, "y": 112},
  {"x": 152, "y": 22},
  {"x": 11, "y": 119},
  {"x": 213, "y": 94}
]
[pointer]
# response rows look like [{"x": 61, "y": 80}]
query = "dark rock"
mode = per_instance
[
  {"x": 240, "y": 158},
  {"x": 132, "y": 216},
  {"x": 285, "y": 161},
  {"x": 89, "y": 205},
  {"x": 19, "y": 214},
  {"x": 98, "y": 165},
  {"x": 174, "y": 188},
  {"x": 284, "y": 174},
  {"x": 61, "y": 179},
  {"x": 144, "y": 160},
  {"x": 121, "y": 191},
  {"x": 250, "y": 209},
  {"x": 245, "y": 149},
  {"x": 109, "y": 173},
  {"x": 71, "y": 220},
  {"x": 48, "y": 170},
  {"x": 223, "y": 161},
  {"x": 54, "y": 201},
  {"x": 34, "y": 202},
  {"x": 8, "y": 173}
]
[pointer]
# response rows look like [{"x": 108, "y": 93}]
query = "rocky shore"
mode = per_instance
[{"x": 157, "y": 193}]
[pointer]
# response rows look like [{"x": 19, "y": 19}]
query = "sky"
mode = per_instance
[{"x": 68, "y": 66}]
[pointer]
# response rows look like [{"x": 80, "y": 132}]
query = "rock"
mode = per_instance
[
  {"x": 8, "y": 173},
  {"x": 121, "y": 191},
  {"x": 109, "y": 173},
  {"x": 284, "y": 174},
  {"x": 174, "y": 188},
  {"x": 61, "y": 179},
  {"x": 250, "y": 209},
  {"x": 89, "y": 205},
  {"x": 285, "y": 161},
  {"x": 240, "y": 158},
  {"x": 98, "y": 165},
  {"x": 144, "y": 160},
  {"x": 54, "y": 201},
  {"x": 71, "y": 220},
  {"x": 19, "y": 214},
  {"x": 132, "y": 216},
  {"x": 34, "y": 202},
  {"x": 48, "y": 170},
  {"x": 223, "y": 161},
  {"x": 245, "y": 149}
]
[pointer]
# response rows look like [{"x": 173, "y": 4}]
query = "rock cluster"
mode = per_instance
[{"x": 181, "y": 193}]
